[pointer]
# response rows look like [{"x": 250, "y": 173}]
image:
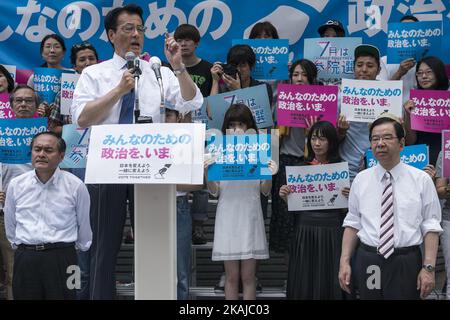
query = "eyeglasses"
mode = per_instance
[
  {"x": 129, "y": 28},
  {"x": 28, "y": 101},
  {"x": 385, "y": 138},
  {"x": 53, "y": 46},
  {"x": 427, "y": 73}
]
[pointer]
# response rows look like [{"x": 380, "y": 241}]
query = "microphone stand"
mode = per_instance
[
  {"x": 137, "y": 110},
  {"x": 162, "y": 108}
]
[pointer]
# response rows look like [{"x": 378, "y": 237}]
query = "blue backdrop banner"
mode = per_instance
[{"x": 24, "y": 23}]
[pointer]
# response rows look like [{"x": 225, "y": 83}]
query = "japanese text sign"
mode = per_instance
[
  {"x": 155, "y": 153},
  {"x": 333, "y": 56},
  {"x": 415, "y": 155},
  {"x": 297, "y": 102},
  {"x": 68, "y": 83},
  {"x": 317, "y": 187},
  {"x": 214, "y": 107},
  {"x": 446, "y": 153},
  {"x": 15, "y": 138},
  {"x": 77, "y": 142},
  {"x": 5, "y": 108},
  {"x": 365, "y": 100},
  {"x": 432, "y": 110},
  {"x": 239, "y": 157},
  {"x": 413, "y": 40},
  {"x": 47, "y": 83},
  {"x": 271, "y": 57}
]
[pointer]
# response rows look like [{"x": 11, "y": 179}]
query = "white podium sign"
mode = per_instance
[{"x": 154, "y": 153}]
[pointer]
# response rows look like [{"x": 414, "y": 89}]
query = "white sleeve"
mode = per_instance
[
  {"x": 83, "y": 204},
  {"x": 431, "y": 208},
  {"x": 10, "y": 214},
  {"x": 173, "y": 95},
  {"x": 85, "y": 91},
  {"x": 353, "y": 217}
]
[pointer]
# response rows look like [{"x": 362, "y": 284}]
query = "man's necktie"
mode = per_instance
[
  {"x": 386, "y": 247},
  {"x": 126, "y": 111}
]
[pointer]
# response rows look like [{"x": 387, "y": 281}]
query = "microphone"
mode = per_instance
[
  {"x": 137, "y": 68},
  {"x": 130, "y": 56},
  {"x": 155, "y": 64}
]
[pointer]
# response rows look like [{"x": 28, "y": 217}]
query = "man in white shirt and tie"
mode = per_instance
[
  {"x": 393, "y": 208},
  {"x": 46, "y": 220},
  {"x": 104, "y": 95}
]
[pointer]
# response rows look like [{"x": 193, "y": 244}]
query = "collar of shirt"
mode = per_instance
[
  {"x": 118, "y": 62},
  {"x": 395, "y": 171},
  {"x": 54, "y": 178}
]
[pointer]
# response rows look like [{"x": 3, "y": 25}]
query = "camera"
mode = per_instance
[{"x": 229, "y": 69}]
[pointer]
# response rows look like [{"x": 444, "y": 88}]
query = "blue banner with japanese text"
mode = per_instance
[
  {"x": 415, "y": 155},
  {"x": 240, "y": 157},
  {"x": 15, "y": 138},
  {"x": 25, "y": 22}
]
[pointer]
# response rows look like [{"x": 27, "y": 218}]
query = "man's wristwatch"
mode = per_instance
[
  {"x": 429, "y": 267},
  {"x": 179, "y": 71}
]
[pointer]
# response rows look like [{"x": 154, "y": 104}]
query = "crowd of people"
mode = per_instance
[{"x": 394, "y": 219}]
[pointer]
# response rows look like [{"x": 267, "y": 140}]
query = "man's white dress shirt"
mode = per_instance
[
  {"x": 98, "y": 79},
  {"x": 416, "y": 205},
  {"x": 57, "y": 211}
]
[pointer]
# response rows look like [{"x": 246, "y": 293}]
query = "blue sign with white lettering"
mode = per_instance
[
  {"x": 271, "y": 57},
  {"x": 15, "y": 138},
  {"x": 413, "y": 40},
  {"x": 415, "y": 155},
  {"x": 239, "y": 157}
]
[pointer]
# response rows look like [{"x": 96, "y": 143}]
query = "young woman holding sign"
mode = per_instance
[
  {"x": 316, "y": 244},
  {"x": 239, "y": 233},
  {"x": 430, "y": 75}
]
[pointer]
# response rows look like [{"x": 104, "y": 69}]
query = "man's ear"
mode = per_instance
[{"x": 402, "y": 142}]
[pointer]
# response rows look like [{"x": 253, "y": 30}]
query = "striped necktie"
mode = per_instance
[{"x": 386, "y": 247}]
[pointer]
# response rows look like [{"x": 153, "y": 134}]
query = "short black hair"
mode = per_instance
[
  {"x": 241, "y": 53},
  {"x": 20, "y": 87},
  {"x": 438, "y": 68},
  {"x": 409, "y": 17},
  {"x": 113, "y": 15},
  {"x": 53, "y": 36},
  {"x": 308, "y": 66},
  {"x": 239, "y": 112},
  {"x": 264, "y": 26},
  {"x": 399, "y": 130},
  {"x": 77, "y": 48},
  {"x": 187, "y": 31},
  {"x": 61, "y": 144},
  {"x": 8, "y": 77},
  {"x": 327, "y": 130}
]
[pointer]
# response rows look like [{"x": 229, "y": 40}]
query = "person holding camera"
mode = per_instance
[{"x": 236, "y": 74}]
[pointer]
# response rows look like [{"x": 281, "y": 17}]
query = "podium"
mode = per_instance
[
  {"x": 155, "y": 240},
  {"x": 154, "y": 157}
]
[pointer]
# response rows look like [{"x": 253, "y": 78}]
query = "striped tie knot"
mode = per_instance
[{"x": 386, "y": 247}]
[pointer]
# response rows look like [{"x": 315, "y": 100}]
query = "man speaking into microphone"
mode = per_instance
[{"x": 104, "y": 95}]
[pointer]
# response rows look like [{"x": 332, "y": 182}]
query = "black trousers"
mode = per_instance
[
  {"x": 107, "y": 215},
  {"x": 40, "y": 275},
  {"x": 394, "y": 278}
]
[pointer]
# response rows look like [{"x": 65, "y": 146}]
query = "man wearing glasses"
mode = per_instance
[
  {"x": 392, "y": 209},
  {"x": 104, "y": 95},
  {"x": 24, "y": 104}
]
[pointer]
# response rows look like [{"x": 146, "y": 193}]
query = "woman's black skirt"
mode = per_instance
[{"x": 314, "y": 256}]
